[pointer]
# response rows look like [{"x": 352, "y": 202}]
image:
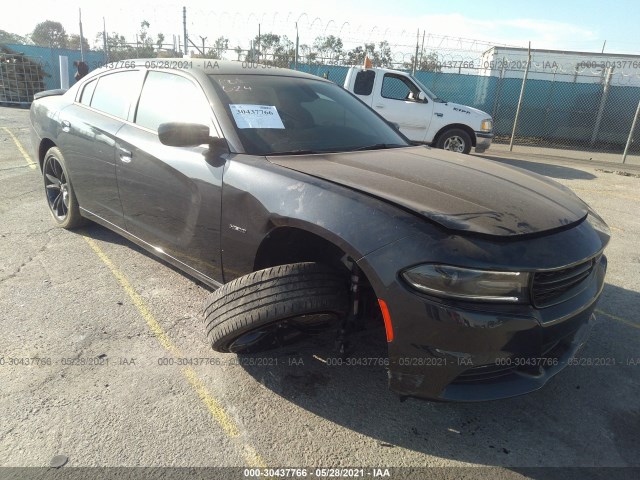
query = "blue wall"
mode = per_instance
[
  {"x": 551, "y": 111},
  {"x": 48, "y": 58}
]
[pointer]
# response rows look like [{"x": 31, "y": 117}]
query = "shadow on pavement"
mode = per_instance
[
  {"x": 548, "y": 170},
  {"x": 587, "y": 416}
]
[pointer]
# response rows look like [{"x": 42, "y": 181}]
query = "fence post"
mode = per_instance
[
  {"x": 297, "y": 47},
  {"x": 104, "y": 41},
  {"x": 629, "y": 139},
  {"x": 496, "y": 99},
  {"x": 64, "y": 71},
  {"x": 603, "y": 102},
  {"x": 524, "y": 82}
]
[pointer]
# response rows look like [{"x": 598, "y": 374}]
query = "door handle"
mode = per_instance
[
  {"x": 125, "y": 155},
  {"x": 379, "y": 106},
  {"x": 66, "y": 126}
]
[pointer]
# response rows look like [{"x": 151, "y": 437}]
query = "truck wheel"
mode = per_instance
[
  {"x": 455, "y": 140},
  {"x": 270, "y": 307},
  {"x": 60, "y": 195}
]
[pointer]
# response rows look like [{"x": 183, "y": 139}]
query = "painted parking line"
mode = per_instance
[
  {"x": 618, "y": 319},
  {"x": 215, "y": 408},
  {"x": 24, "y": 153}
]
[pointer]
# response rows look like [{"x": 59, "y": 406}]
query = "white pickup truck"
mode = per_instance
[{"x": 421, "y": 116}]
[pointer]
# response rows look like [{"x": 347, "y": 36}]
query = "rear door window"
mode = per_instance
[
  {"x": 87, "y": 92},
  {"x": 114, "y": 92},
  {"x": 364, "y": 82}
]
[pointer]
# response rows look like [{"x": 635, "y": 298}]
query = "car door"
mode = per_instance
[
  {"x": 397, "y": 100},
  {"x": 89, "y": 128},
  {"x": 171, "y": 196}
]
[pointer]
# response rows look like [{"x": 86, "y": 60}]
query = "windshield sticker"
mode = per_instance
[{"x": 256, "y": 116}]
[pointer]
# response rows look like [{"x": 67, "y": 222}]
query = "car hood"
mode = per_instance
[{"x": 459, "y": 192}]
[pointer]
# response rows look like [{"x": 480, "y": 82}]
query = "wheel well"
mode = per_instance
[
  {"x": 45, "y": 145},
  {"x": 461, "y": 126},
  {"x": 291, "y": 245}
]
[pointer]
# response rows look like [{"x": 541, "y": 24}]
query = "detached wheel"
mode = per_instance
[
  {"x": 60, "y": 196},
  {"x": 455, "y": 140},
  {"x": 269, "y": 307}
]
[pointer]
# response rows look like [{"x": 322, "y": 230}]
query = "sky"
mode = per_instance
[{"x": 552, "y": 24}]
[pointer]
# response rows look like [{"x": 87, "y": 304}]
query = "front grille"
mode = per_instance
[
  {"x": 484, "y": 373},
  {"x": 552, "y": 287}
]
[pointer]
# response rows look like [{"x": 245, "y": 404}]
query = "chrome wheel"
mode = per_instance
[
  {"x": 55, "y": 182},
  {"x": 454, "y": 144}
]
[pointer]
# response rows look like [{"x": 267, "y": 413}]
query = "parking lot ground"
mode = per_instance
[
  {"x": 99, "y": 340},
  {"x": 546, "y": 154}
]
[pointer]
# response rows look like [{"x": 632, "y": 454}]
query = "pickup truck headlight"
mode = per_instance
[
  {"x": 469, "y": 284},
  {"x": 486, "y": 125}
]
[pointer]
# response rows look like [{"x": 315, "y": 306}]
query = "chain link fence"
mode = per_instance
[{"x": 582, "y": 104}]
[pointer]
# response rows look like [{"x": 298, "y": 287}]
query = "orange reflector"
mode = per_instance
[{"x": 387, "y": 319}]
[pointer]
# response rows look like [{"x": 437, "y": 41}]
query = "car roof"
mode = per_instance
[{"x": 209, "y": 66}]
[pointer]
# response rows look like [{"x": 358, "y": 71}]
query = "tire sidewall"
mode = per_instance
[
  {"x": 456, "y": 132},
  {"x": 73, "y": 217}
]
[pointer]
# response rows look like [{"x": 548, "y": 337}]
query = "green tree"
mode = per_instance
[
  {"x": 308, "y": 55},
  {"x": 74, "y": 42},
  {"x": 273, "y": 49},
  {"x": 379, "y": 58},
  {"x": 238, "y": 51},
  {"x": 329, "y": 49},
  {"x": 8, "y": 37},
  {"x": 50, "y": 34},
  {"x": 220, "y": 46},
  {"x": 427, "y": 63}
]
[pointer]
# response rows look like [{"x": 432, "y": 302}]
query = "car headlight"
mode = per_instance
[
  {"x": 598, "y": 223},
  {"x": 486, "y": 125},
  {"x": 469, "y": 284}
]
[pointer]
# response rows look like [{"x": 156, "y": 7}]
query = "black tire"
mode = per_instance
[
  {"x": 455, "y": 140},
  {"x": 61, "y": 198},
  {"x": 261, "y": 310}
]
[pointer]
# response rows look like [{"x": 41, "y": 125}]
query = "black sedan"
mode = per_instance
[{"x": 305, "y": 209}]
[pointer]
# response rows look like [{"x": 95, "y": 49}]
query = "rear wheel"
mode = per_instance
[
  {"x": 60, "y": 195},
  {"x": 270, "y": 307},
  {"x": 455, "y": 140}
]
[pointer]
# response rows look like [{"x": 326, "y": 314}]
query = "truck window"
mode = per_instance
[
  {"x": 364, "y": 82},
  {"x": 398, "y": 87}
]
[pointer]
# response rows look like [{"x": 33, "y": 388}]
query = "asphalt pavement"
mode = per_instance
[{"x": 103, "y": 360}]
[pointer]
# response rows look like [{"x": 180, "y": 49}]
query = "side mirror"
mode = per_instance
[
  {"x": 394, "y": 125},
  {"x": 422, "y": 97},
  {"x": 176, "y": 134}
]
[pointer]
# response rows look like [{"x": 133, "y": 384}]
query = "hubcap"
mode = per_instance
[
  {"x": 56, "y": 187},
  {"x": 454, "y": 143}
]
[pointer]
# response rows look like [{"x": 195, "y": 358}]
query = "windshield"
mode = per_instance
[
  {"x": 287, "y": 115},
  {"x": 429, "y": 93}
]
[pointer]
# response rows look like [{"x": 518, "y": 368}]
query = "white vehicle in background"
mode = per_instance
[{"x": 421, "y": 116}]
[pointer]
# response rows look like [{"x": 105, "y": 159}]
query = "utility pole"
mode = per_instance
[
  {"x": 415, "y": 57},
  {"x": 295, "y": 63},
  {"x": 524, "y": 82},
  {"x": 422, "y": 47},
  {"x": 203, "y": 39},
  {"x": 184, "y": 24},
  {"x": 104, "y": 40},
  {"x": 81, "y": 37}
]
